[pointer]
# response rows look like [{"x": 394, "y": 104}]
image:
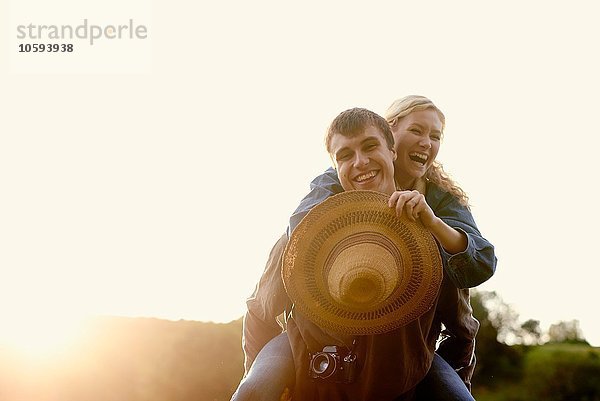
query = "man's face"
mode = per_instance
[{"x": 364, "y": 161}]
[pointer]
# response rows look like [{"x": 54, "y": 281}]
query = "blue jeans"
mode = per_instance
[
  {"x": 442, "y": 383},
  {"x": 273, "y": 371}
]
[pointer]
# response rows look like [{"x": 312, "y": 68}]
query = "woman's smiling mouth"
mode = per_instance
[{"x": 418, "y": 157}]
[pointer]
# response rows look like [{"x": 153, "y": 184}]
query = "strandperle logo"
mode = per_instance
[{"x": 87, "y": 31}]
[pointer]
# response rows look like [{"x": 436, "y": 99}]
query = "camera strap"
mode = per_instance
[
  {"x": 351, "y": 353},
  {"x": 287, "y": 312}
]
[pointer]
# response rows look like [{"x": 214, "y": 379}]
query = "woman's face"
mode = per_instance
[{"x": 417, "y": 139}]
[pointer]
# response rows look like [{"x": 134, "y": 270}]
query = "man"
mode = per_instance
[{"x": 362, "y": 148}]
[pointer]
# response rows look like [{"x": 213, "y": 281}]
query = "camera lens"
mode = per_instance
[{"x": 323, "y": 365}]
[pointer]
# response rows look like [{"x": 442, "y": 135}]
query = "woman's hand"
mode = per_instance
[{"x": 414, "y": 205}]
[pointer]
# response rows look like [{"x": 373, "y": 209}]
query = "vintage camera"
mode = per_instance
[{"x": 336, "y": 364}]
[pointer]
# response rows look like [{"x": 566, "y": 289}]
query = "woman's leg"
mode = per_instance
[
  {"x": 442, "y": 383},
  {"x": 272, "y": 371}
]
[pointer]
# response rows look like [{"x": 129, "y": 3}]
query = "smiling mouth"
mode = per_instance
[
  {"x": 418, "y": 157},
  {"x": 366, "y": 176}
]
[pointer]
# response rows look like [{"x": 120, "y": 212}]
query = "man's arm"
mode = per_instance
[
  {"x": 269, "y": 298},
  {"x": 267, "y": 302},
  {"x": 458, "y": 344}
]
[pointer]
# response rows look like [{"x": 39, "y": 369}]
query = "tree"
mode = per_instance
[
  {"x": 496, "y": 361},
  {"x": 491, "y": 310},
  {"x": 531, "y": 332},
  {"x": 557, "y": 372},
  {"x": 566, "y": 332}
]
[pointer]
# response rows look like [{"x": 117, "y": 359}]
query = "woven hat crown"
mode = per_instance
[{"x": 362, "y": 276}]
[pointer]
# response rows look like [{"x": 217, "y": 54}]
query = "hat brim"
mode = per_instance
[{"x": 359, "y": 216}]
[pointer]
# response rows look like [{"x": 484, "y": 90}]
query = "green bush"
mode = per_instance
[{"x": 562, "y": 372}]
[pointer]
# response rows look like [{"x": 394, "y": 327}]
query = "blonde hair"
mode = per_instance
[{"x": 399, "y": 109}]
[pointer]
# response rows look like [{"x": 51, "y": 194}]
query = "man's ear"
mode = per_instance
[
  {"x": 333, "y": 164},
  {"x": 395, "y": 154}
]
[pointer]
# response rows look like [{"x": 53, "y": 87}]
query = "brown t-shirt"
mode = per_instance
[{"x": 388, "y": 365}]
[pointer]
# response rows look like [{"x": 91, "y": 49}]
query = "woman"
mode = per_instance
[{"x": 417, "y": 126}]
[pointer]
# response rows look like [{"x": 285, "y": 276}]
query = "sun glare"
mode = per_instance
[{"x": 41, "y": 337}]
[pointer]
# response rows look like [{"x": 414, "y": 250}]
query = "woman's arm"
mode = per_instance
[
  {"x": 469, "y": 259},
  {"x": 413, "y": 205},
  {"x": 452, "y": 240},
  {"x": 477, "y": 263},
  {"x": 321, "y": 188}
]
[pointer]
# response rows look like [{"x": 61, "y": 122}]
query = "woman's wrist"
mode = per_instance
[{"x": 453, "y": 241}]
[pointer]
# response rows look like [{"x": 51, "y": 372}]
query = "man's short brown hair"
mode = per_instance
[{"x": 355, "y": 121}]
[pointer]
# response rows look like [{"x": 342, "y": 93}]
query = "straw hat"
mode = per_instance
[{"x": 353, "y": 267}]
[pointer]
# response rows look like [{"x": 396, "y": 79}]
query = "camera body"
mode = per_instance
[{"x": 335, "y": 364}]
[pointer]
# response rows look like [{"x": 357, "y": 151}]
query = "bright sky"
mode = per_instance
[{"x": 151, "y": 177}]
